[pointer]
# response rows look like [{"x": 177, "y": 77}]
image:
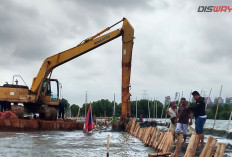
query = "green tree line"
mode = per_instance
[
  {"x": 223, "y": 112},
  {"x": 104, "y": 107}
]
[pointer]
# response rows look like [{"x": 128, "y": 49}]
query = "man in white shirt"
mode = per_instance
[{"x": 172, "y": 112}]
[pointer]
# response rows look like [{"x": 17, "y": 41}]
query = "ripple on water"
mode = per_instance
[{"x": 76, "y": 143}]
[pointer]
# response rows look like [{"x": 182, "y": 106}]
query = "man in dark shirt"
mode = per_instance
[
  {"x": 62, "y": 106},
  {"x": 200, "y": 116},
  {"x": 183, "y": 119}
]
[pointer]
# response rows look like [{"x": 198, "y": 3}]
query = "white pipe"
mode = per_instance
[
  {"x": 217, "y": 108},
  {"x": 229, "y": 121},
  {"x": 156, "y": 108},
  {"x": 208, "y": 98},
  {"x": 148, "y": 109},
  {"x": 163, "y": 109},
  {"x": 136, "y": 108},
  {"x": 190, "y": 97},
  {"x": 114, "y": 105}
]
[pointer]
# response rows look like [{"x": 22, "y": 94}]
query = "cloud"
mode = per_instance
[{"x": 176, "y": 48}]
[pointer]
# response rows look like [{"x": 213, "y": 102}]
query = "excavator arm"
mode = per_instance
[{"x": 127, "y": 33}]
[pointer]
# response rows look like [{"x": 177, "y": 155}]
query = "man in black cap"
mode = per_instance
[{"x": 200, "y": 116}]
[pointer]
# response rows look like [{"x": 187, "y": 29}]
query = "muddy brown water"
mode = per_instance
[
  {"x": 78, "y": 144},
  {"x": 65, "y": 144}
]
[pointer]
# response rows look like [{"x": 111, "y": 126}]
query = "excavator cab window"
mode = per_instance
[
  {"x": 48, "y": 91},
  {"x": 54, "y": 88}
]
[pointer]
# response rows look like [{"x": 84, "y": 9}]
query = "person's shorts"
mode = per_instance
[
  {"x": 182, "y": 128},
  {"x": 199, "y": 125},
  {"x": 172, "y": 127}
]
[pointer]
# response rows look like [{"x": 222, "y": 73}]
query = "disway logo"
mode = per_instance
[{"x": 214, "y": 9}]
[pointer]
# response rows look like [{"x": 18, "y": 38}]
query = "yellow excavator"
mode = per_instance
[{"x": 41, "y": 99}]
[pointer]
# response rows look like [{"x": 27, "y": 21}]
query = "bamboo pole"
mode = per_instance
[
  {"x": 190, "y": 97},
  {"x": 147, "y": 140},
  {"x": 216, "y": 154},
  {"x": 156, "y": 108},
  {"x": 179, "y": 98},
  {"x": 229, "y": 121},
  {"x": 136, "y": 128},
  {"x": 162, "y": 143},
  {"x": 205, "y": 149},
  {"x": 211, "y": 147},
  {"x": 191, "y": 149},
  {"x": 142, "y": 133},
  {"x": 145, "y": 135},
  {"x": 168, "y": 143},
  {"x": 114, "y": 105},
  {"x": 108, "y": 145},
  {"x": 136, "y": 108},
  {"x": 158, "y": 154},
  {"x": 137, "y": 131},
  {"x": 160, "y": 139},
  {"x": 208, "y": 98},
  {"x": 78, "y": 114},
  {"x": 155, "y": 139},
  {"x": 132, "y": 126},
  {"x": 217, "y": 108},
  {"x": 220, "y": 150},
  {"x": 163, "y": 109},
  {"x": 148, "y": 108},
  {"x": 178, "y": 146}
]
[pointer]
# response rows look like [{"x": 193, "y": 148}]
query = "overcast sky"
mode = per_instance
[{"x": 176, "y": 48}]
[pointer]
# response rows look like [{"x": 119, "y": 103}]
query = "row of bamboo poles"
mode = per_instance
[
  {"x": 162, "y": 142},
  {"x": 210, "y": 147},
  {"x": 152, "y": 137}
]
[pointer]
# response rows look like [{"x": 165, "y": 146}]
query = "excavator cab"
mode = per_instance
[{"x": 50, "y": 92}]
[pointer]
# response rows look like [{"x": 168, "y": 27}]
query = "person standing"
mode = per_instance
[
  {"x": 200, "y": 115},
  {"x": 141, "y": 118},
  {"x": 62, "y": 106},
  {"x": 172, "y": 112},
  {"x": 183, "y": 116}
]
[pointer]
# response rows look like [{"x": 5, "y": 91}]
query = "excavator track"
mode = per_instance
[
  {"x": 48, "y": 113},
  {"x": 18, "y": 110}
]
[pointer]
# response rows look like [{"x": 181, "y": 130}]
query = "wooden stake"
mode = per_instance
[
  {"x": 211, "y": 147},
  {"x": 160, "y": 139},
  {"x": 205, "y": 149},
  {"x": 178, "y": 146},
  {"x": 155, "y": 140},
  {"x": 192, "y": 146},
  {"x": 153, "y": 137},
  {"x": 158, "y": 154},
  {"x": 108, "y": 145},
  {"x": 220, "y": 150}
]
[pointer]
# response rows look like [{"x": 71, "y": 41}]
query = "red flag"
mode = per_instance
[{"x": 89, "y": 124}]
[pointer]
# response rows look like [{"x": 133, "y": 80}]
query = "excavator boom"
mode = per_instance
[{"x": 127, "y": 33}]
